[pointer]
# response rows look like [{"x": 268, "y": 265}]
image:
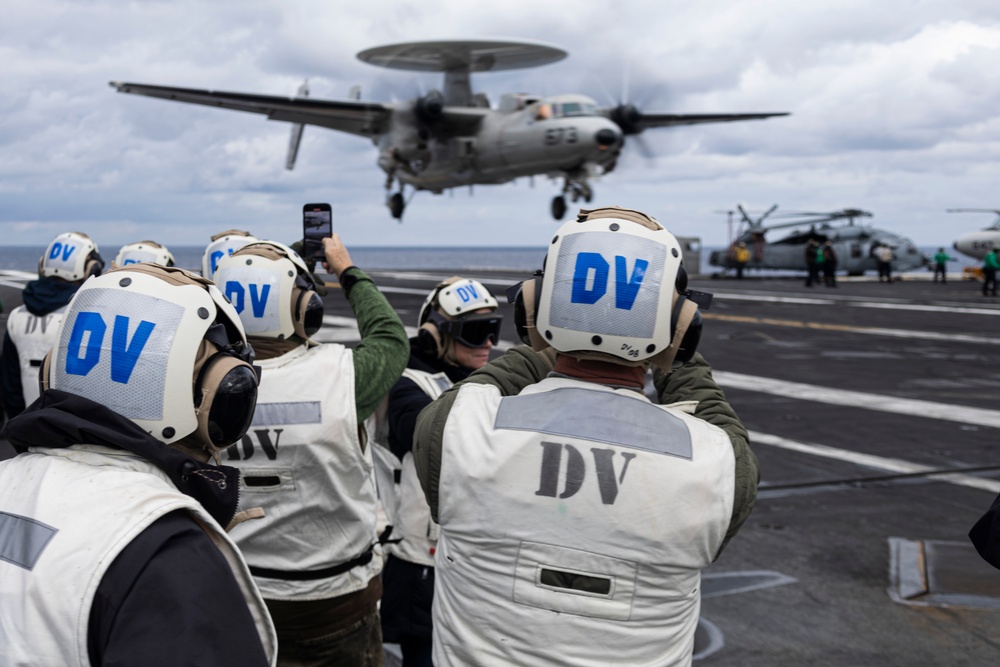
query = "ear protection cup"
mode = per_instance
[
  {"x": 429, "y": 340},
  {"x": 307, "y": 312},
  {"x": 95, "y": 265},
  {"x": 225, "y": 395},
  {"x": 526, "y": 304}
]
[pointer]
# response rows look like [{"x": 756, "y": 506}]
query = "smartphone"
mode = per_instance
[{"x": 317, "y": 224}]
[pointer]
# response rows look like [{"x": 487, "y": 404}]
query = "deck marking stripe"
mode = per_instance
[
  {"x": 813, "y": 301},
  {"x": 872, "y": 331},
  {"x": 859, "y": 399},
  {"x": 872, "y": 461}
]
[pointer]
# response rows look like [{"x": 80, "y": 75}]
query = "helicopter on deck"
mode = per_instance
[{"x": 853, "y": 243}]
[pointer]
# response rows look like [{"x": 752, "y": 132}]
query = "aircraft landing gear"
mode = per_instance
[
  {"x": 558, "y": 207},
  {"x": 396, "y": 205},
  {"x": 577, "y": 190}
]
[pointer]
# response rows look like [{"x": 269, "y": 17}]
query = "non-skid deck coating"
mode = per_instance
[{"x": 874, "y": 410}]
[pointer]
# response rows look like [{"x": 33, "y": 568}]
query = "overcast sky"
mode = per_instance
[{"x": 895, "y": 110}]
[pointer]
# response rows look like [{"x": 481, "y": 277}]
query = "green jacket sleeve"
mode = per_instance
[
  {"x": 519, "y": 367},
  {"x": 694, "y": 382},
  {"x": 380, "y": 357}
]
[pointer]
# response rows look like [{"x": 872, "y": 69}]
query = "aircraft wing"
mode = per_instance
[
  {"x": 365, "y": 119},
  {"x": 636, "y": 121}
]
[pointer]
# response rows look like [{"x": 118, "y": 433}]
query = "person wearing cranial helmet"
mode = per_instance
[
  {"x": 308, "y": 460},
  {"x": 221, "y": 245},
  {"x": 568, "y": 535},
  {"x": 144, "y": 251},
  {"x": 458, "y": 325},
  {"x": 68, "y": 260},
  {"x": 112, "y": 517}
]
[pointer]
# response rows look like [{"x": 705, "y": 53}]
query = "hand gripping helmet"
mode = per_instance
[
  {"x": 449, "y": 313},
  {"x": 613, "y": 289},
  {"x": 72, "y": 256},
  {"x": 272, "y": 290},
  {"x": 144, "y": 251},
  {"x": 161, "y": 347},
  {"x": 223, "y": 243}
]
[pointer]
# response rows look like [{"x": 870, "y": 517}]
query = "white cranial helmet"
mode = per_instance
[
  {"x": 144, "y": 251},
  {"x": 224, "y": 243},
  {"x": 72, "y": 256},
  {"x": 271, "y": 288},
  {"x": 455, "y": 297},
  {"x": 610, "y": 287},
  {"x": 161, "y": 347}
]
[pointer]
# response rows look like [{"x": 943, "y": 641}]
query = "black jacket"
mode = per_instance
[
  {"x": 41, "y": 297},
  {"x": 169, "y": 598}
]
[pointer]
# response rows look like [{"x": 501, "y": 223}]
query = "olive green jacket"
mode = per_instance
[{"x": 521, "y": 366}]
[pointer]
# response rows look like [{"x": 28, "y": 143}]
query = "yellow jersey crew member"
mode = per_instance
[
  {"x": 68, "y": 260},
  {"x": 307, "y": 460},
  {"x": 458, "y": 326},
  {"x": 113, "y": 544},
  {"x": 575, "y": 514}
]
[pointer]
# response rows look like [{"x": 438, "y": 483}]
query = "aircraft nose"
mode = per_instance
[{"x": 606, "y": 137}]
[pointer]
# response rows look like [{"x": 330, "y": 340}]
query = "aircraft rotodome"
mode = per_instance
[
  {"x": 454, "y": 137},
  {"x": 853, "y": 244}
]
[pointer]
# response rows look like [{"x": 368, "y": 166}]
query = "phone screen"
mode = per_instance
[{"x": 317, "y": 224}]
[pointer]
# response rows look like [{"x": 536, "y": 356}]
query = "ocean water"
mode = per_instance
[{"x": 527, "y": 259}]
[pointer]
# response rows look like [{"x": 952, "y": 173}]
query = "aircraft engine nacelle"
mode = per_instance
[
  {"x": 430, "y": 107},
  {"x": 626, "y": 116}
]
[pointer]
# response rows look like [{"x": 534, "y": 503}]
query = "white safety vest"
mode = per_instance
[
  {"x": 33, "y": 336},
  {"x": 65, "y": 515},
  {"x": 303, "y": 463},
  {"x": 411, "y": 519},
  {"x": 575, "y": 521}
]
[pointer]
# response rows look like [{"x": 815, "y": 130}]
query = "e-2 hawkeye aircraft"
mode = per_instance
[
  {"x": 976, "y": 244},
  {"x": 453, "y": 137},
  {"x": 853, "y": 244}
]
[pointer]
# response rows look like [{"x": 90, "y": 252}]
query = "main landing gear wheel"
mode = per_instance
[
  {"x": 396, "y": 205},
  {"x": 558, "y": 207}
]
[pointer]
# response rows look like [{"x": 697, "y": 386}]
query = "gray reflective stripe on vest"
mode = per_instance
[
  {"x": 276, "y": 414},
  {"x": 597, "y": 415},
  {"x": 22, "y": 540}
]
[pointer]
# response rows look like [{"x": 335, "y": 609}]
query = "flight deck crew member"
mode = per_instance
[
  {"x": 113, "y": 544},
  {"x": 575, "y": 514},
  {"x": 812, "y": 254},
  {"x": 68, "y": 260},
  {"x": 144, "y": 251},
  {"x": 941, "y": 259},
  {"x": 829, "y": 264},
  {"x": 307, "y": 460},
  {"x": 991, "y": 264},
  {"x": 458, "y": 326},
  {"x": 221, "y": 245},
  {"x": 742, "y": 255},
  {"x": 883, "y": 257}
]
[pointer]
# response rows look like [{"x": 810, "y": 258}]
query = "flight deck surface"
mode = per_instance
[{"x": 874, "y": 410}]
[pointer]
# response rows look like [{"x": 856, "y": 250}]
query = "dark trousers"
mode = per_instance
[
  {"x": 939, "y": 269},
  {"x": 884, "y": 271},
  {"x": 989, "y": 279},
  {"x": 830, "y": 274},
  {"x": 813, "y": 275}
]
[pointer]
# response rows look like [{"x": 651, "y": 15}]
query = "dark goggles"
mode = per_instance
[{"x": 472, "y": 331}]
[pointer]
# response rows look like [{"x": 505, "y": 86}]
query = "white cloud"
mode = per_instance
[{"x": 894, "y": 111}]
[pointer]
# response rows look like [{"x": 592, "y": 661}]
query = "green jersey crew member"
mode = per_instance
[{"x": 575, "y": 514}]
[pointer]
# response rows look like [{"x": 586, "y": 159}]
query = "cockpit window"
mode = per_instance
[{"x": 567, "y": 109}]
